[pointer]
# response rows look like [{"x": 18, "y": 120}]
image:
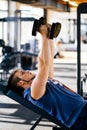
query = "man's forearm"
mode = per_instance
[
  {"x": 51, "y": 67},
  {"x": 45, "y": 53}
]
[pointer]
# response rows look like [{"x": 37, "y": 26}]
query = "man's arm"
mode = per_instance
[
  {"x": 38, "y": 86},
  {"x": 51, "y": 67}
]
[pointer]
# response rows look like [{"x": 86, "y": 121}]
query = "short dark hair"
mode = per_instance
[{"x": 12, "y": 83}]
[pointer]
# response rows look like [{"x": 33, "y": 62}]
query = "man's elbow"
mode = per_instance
[{"x": 44, "y": 61}]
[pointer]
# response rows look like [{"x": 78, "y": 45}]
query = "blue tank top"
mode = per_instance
[{"x": 59, "y": 101}]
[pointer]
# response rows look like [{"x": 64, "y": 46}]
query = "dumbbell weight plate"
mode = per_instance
[
  {"x": 37, "y": 24},
  {"x": 34, "y": 29},
  {"x": 52, "y": 31},
  {"x": 41, "y": 21},
  {"x": 57, "y": 29}
]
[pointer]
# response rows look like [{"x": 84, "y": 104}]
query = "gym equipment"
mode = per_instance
[
  {"x": 10, "y": 61},
  {"x": 55, "y": 29},
  {"x": 28, "y": 60},
  {"x": 37, "y": 24},
  {"x": 83, "y": 80},
  {"x": 53, "y": 32},
  {"x": 82, "y": 9},
  {"x": 42, "y": 114},
  {"x": 2, "y": 42}
]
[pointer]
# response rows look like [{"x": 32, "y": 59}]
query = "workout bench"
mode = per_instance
[{"x": 32, "y": 107}]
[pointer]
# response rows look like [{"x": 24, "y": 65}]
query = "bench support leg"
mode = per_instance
[{"x": 36, "y": 123}]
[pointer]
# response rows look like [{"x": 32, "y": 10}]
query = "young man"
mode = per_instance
[{"x": 47, "y": 93}]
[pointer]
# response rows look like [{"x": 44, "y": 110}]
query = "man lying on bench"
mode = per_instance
[{"x": 48, "y": 94}]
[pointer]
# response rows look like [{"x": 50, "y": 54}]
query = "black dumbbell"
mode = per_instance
[
  {"x": 53, "y": 32},
  {"x": 37, "y": 24},
  {"x": 55, "y": 29}
]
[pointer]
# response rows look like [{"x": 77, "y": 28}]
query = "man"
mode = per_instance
[{"x": 45, "y": 92}]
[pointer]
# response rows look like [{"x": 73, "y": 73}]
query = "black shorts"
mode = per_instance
[{"x": 81, "y": 122}]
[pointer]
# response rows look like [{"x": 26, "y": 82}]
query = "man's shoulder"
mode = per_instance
[{"x": 26, "y": 92}]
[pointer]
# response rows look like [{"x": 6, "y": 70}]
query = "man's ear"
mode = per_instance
[{"x": 20, "y": 83}]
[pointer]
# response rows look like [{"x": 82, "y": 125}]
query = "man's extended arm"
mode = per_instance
[{"x": 38, "y": 86}]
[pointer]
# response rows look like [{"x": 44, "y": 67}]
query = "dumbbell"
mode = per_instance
[
  {"x": 53, "y": 32},
  {"x": 37, "y": 24}
]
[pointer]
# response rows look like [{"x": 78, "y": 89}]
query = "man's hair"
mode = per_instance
[{"x": 12, "y": 83}]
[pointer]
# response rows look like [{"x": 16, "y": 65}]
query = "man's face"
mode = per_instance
[{"x": 24, "y": 75}]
